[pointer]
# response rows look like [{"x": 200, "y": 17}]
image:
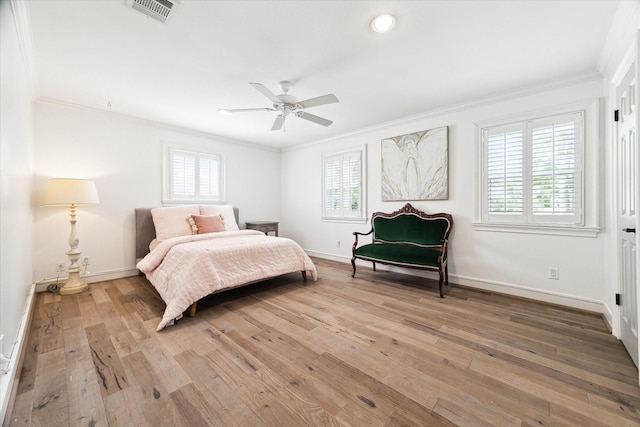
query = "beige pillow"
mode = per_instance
[
  {"x": 227, "y": 215},
  {"x": 201, "y": 224},
  {"x": 171, "y": 221}
]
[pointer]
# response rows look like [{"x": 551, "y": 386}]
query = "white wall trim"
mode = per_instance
[
  {"x": 163, "y": 125},
  {"x": 558, "y": 298},
  {"x": 454, "y": 108},
  {"x": 625, "y": 23},
  {"x": 526, "y": 292},
  {"x": 41, "y": 286},
  {"x": 331, "y": 257},
  {"x": 8, "y": 380},
  {"x": 22, "y": 20},
  {"x": 617, "y": 72},
  {"x": 608, "y": 317},
  {"x": 538, "y": 229},
  {"x": 589, "y": 191}
]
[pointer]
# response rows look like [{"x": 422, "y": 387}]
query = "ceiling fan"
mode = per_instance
[{"x": 287, "y": 105}]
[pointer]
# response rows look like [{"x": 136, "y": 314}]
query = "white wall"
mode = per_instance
[
  {"x": 123, "y": 155},
  {"x": 16, "y": 147},
  {"x": 508, "y": 262}
]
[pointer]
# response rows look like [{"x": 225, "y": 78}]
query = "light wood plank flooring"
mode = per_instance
[{"x": 378, "y": 350}]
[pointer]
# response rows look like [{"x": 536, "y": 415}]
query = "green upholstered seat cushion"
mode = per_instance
[
  {"x": 411, "y": 228},
  {"x": 400, "y": 254}
]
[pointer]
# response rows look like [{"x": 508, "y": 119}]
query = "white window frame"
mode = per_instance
[
  {"x": 585, "y": 220},
  {"x": 341, "y": 216},
  {"x": 168, "y": 195}
]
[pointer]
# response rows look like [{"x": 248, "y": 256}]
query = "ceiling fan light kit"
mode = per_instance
[{"x": 288, "y": 105}]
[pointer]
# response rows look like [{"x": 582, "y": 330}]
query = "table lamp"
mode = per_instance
[{"x": 71, "y": 192}]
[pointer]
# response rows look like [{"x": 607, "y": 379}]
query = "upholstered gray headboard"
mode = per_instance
[{"x": 146, "y": 231}]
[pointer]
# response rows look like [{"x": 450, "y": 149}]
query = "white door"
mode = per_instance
[{"x": 626, "y": 105}]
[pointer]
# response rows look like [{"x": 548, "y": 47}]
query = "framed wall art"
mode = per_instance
[{"x": 415, "y": 166}]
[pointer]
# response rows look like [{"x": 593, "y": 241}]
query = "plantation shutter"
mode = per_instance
[
  {"x": 351, "y": 185},
  {"x": 504, "y": 183},
  {"x": 194, "y": 176},
  {"x": 332, "y": 193},
  {"x": 209, "y": 177},
  {"x": 533, "y": 171},
  {"x": 342, "y": 196},
  {"x": 183, "y": 175},
  {"x": 555, "y": 168}
]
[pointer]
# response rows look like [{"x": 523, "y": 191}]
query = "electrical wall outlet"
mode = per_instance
[
  {"x": 554, "y": 273},
  {"x": 338, "y": 243},
  {"x": 60, "y": 267}
]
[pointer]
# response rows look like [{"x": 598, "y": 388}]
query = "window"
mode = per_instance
[
  {"x": 191, "y": 176},
  {"x": 343, "y": 193},
  {"x": 532, "y": 171}
]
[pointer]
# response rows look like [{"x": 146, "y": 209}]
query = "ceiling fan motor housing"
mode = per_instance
[{"x": 285, "y": 85}]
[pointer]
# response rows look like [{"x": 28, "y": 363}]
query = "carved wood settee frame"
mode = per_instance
[{"x": 407, "y": 238}]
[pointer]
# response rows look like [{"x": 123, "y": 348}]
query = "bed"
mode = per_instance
[{"x": 189, "y": 252}]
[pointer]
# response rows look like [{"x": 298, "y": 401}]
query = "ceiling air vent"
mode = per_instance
[{"x": 160, "y": 10}]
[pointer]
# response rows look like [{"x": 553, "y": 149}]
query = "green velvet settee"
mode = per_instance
[{"x": 407, "y": 238}]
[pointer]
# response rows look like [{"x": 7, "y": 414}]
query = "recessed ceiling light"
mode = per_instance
[
  {"x": 223, "y": 112},
  {"x": 383, "y": 23}
]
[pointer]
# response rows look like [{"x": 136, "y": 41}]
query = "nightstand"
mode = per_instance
[{"x": 265, "y": 226}]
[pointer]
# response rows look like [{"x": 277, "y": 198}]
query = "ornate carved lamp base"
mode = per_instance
[
  {"x": 71, "y": 192},
  {"x": 74, "y": 284}
]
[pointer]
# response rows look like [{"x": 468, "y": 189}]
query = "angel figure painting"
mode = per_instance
[{"x": 415, "y": 166}]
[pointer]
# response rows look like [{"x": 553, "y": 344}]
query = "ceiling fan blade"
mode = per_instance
[
  {"x": 277, "y": 125},
  {"x": 313, "y": 118},
  {"x": 321, "y": 100},
  {"x": 244, "y": 110},
  {"x": 266, "y": 92}
]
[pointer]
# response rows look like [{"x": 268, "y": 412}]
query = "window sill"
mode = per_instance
[
  {"x": 556, "y": 230},
  {"x": 346, "y": 220},
  {"x": 192, "y": 202}
]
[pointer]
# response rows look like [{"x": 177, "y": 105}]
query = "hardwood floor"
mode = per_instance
[{"x": 378, "y": 350}]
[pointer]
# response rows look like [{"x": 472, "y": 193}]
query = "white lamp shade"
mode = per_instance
[{"x": 69, "y": 191}]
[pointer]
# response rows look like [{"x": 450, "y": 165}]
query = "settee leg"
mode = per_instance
[
  {"x": 446, "y": 275},
  {"x": 353, "y": 264},
  {"x": 304, "y": 276},
  {"x": 374, "y": 266}
]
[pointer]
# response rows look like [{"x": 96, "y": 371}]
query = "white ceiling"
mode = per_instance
[{"x": 93, "y": 52}]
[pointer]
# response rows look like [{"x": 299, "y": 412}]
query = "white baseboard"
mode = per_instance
[
  {"x": 472, "y": 282},
  {"x": 328, "y": 256},
  {"x": 494, "y": 286},
  {"x": 41, "y": 286},
  {"x": 8, "y": 379},
  {"x": 531, "y": 293},
  {"x": 614, "y": 327}
]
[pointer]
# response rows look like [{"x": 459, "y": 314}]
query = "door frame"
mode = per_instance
[{"x": 632, "y": 55}]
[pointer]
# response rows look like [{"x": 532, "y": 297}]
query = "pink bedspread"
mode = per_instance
[{"x": 188, "y": 268}]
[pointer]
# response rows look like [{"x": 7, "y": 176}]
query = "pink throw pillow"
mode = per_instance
[
  {"x": 227, "y": 215},
  {"x": 207, "y": 223}
]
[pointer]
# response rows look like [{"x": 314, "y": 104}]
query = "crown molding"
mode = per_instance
[
  {"x": 625, "y": 24},
  {"x": 591, "y": 76},
  {"x": 22, "y": 19},
  {"x": 156, "y": 123}
]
